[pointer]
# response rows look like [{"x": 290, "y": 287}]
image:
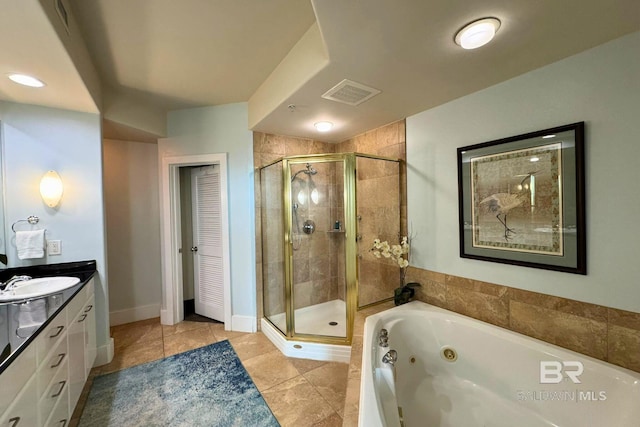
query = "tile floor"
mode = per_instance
[{"x": 300, "y": 392}]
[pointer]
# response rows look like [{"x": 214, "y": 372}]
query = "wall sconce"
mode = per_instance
[{"x": 51, "y": 188}]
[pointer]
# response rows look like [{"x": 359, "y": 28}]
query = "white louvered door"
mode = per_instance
[{"x": 207, "y": 241}]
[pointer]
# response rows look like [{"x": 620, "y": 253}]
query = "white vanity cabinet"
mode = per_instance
[
  {"x": 82, "y": 347},
  {"x": 42, "y": 385}
]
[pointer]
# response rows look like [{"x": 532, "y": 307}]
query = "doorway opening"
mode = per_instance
[{"x": 195, "y": 238}]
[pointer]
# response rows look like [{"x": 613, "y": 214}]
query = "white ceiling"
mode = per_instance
[{"x": 188, "y": 53}]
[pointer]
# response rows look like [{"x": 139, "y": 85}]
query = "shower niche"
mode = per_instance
[{"x": 319, "y": 215}]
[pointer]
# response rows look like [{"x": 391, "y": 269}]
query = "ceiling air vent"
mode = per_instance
[{"x": 349, "y": 92}]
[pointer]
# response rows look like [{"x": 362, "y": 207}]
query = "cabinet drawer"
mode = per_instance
[
  {"x": 56, "y": 390},
  {"x": 60, "y": 415},
  {"x": 52, "y": 334},
  {"x": 76, "y": 304},
  {"x": 22, "y": 413},
  {"x": 52, "y": 363},
  {"x": 16, "y": 376}
]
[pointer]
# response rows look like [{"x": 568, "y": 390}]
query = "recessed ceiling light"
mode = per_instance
[
  {"x": 477, "y": 33},
  {"x": 534, "y": 159},
  {"x": 26, "y": 80},
  {"x": 548, "y": 136},
  {"x": 323, "y": 126}
]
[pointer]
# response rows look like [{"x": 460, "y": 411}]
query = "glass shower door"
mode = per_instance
[{"x": 317, "y": 247}]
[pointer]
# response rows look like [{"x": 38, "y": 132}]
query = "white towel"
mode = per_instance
[
  {"x": 31, "y": 315},
  {"x": 30, "y": 244}
]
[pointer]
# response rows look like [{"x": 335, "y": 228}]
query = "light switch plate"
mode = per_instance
[{"x": 54, "y": 247}]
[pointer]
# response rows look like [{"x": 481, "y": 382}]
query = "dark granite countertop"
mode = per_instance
[{"x": 11, "y": 343}]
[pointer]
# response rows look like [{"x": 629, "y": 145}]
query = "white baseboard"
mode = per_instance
[
  {"x": 306, "y": 350},
  {"x": 104, "y": 353},
  {"x": 120, "y": 317},
  {"x": 243, "y": 323}
]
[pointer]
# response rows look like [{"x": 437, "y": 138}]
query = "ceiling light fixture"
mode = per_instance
[
  {"x": 323, "y": 126},
  {"x": 477, "y": 33},
  {"x": 26, "y": 80},
  {"x": 548, "y": 136}
]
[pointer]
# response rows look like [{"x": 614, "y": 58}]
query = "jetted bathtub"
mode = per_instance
[{"x": 455, "y": 371}]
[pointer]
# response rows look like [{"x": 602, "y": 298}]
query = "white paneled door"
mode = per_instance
[{"x": 207, "y": 242}]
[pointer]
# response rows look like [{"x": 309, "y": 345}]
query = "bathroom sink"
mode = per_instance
[{"x": 40, "y": 287}]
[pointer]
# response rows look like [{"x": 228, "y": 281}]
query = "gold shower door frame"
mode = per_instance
[{"x": 351, "y": 279}]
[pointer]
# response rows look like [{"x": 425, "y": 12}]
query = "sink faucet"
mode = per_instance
[{"x": 11, "y": 283}]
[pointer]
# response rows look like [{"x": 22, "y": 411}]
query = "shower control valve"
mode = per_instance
[{"x": 309, "y": 227}]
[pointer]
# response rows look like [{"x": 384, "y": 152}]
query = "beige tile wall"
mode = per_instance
[
  {"x": 381, "y": 200},
  {"x": 604, "y": 333}
]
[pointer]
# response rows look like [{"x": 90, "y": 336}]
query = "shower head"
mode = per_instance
[{"x": 308, "y": 171}]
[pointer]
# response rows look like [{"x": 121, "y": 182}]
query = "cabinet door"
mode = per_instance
[
  {"x": 22, "y": 413},
  {"x": 89, "y": 336},
  {"x": 14, "y": 378}
]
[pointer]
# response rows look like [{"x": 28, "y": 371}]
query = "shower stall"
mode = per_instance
[{"x": 319, "y": 215}]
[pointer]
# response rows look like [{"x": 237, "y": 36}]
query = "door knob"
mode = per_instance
[{"x": 194, "y": 249}]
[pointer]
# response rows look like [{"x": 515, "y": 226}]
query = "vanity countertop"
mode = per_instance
[{"x": 11, "y": 342}]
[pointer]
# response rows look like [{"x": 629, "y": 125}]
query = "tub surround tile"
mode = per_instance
[
  {"x": 476, "y": 286},
  {"x": 566, "y": 330},
  {"x": 583, "y": 327},
  {"x": 479, "y": 305},
  {"x": 355, "y": 363},
  {"x": 627, "y": 319},
  {"x": 564, "y": 305},
  {"x": 351, "y": 404},
  {"x": 624, "y": 347}
]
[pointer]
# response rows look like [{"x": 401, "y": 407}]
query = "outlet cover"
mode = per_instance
[{"x": 54, "y": 247}]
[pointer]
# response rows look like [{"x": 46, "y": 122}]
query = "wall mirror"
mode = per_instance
[{"x": 521, "y": 200}]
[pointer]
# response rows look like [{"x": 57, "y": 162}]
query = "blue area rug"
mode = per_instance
[{"x": 203, "y": 387}]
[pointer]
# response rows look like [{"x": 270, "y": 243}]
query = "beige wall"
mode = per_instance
[{"x": 133, "y": 230}]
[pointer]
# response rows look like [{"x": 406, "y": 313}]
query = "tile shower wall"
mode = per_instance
[
  {"x": 381, "y": 206},
  {"x": 604, "y": 333}
]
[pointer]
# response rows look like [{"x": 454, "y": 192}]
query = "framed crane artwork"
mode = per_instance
[{"x": 522, "y": 200}]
